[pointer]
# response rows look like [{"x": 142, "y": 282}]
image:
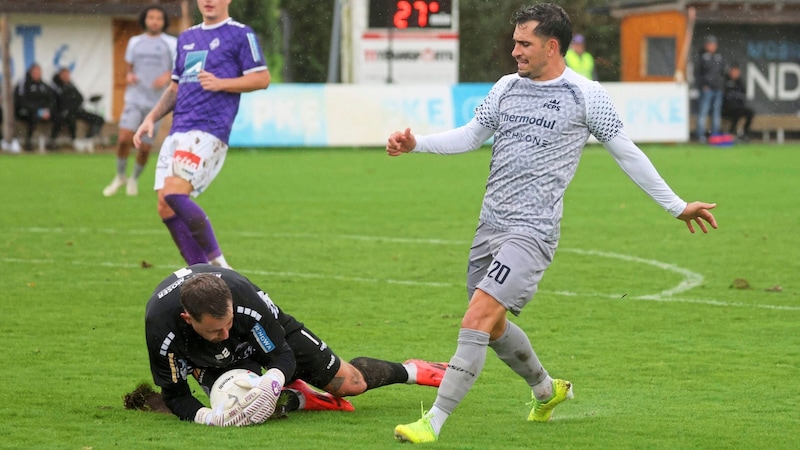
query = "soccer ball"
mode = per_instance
[{"x": 225, "y": 388}]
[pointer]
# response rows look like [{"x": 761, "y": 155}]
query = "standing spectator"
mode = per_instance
[
  {"x": 34, "y": 102},
  {"x": 578, "y": 59},
  {"x": 70, "y": 109},
  {"x": 734, "y": 104},
  {"x": 709, "y": 78},
  {"x": 150, "y": 58},
  {"x": 217, "y": 61}
]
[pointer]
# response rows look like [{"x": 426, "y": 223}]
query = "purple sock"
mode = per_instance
[
  {"x": 197, "y": 222},
  {"x": 191, "y": 252}
]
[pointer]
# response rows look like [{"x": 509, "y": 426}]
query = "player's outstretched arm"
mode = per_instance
[
  {"x": 400, "y": 142},
  {"x": 698, "y": 212}
]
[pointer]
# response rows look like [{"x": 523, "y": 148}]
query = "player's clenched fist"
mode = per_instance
[{"x": 400, "y": 142}]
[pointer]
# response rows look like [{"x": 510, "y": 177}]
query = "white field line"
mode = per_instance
[{"x": 690, "y": 279}]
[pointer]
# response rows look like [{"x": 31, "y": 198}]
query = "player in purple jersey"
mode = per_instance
[
  {"x": 216, "y": 61},
  {"x": 540, "y": 117}
]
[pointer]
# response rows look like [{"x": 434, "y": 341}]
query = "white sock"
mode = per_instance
[
  {"x": 220, "y": 261},
  {"x": 438, "y": 419},
  {"x": 412, "y": 373},
  {"x": 544, "y": 390}
]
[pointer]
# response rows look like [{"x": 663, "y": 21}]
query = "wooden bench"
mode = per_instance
[
  {"x": 766, "y": 124},
  {"x": 778, "y": 123},
  {"x": 41, "y": 135}
]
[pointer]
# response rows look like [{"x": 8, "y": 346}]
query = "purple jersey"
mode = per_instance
[{"x": 228, "y": 49}]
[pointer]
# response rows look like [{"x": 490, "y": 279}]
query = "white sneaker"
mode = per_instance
[
  {"x": 116, "y": 183},
  {"x": 133, "y": 187},
  {"x": 12, "y": 147}
]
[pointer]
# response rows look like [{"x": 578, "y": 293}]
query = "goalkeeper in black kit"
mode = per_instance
[{"x": 203, "y": 321}]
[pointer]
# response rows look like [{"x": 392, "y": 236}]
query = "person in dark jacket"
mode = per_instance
[
  {"x": 34, "y": 102},
  {"x": 734, "y": 104},
  {"x": 709, "y": 78},
  {"x": 70, "y": 107}
]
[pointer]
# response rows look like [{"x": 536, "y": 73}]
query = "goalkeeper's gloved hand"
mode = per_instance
[
  {"x": 259, "y": 403},
  {"x": 229, "y": 415}
]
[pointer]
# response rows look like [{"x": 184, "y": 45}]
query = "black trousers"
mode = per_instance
[
  {"x": 31, "y": 119},
  {"x": 737, "y": 114},
  {"x": 70, "y": 119}
]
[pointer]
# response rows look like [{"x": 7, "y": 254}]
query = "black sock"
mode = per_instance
[
  {"x": 379, "y": 373},
  {"x": 287, "y": 402}
]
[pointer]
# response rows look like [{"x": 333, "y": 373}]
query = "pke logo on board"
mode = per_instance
[{"x": 553, "y": 105}]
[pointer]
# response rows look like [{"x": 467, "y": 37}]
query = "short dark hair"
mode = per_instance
[
  {"x": 143, "y": 16},
  {"x": 206, "y": 293},
  {"x": 553, "y": 22}
]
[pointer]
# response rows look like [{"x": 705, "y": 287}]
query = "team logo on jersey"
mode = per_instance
[
  {"x": 553, "y": 105},
  {"x": 262, "y": 339},
  {"x": 214, "y": 44},
  {"x": 193, "y": 64},
  {"x": 244, "y": 351},
  {"x": 189, "y": 46}
]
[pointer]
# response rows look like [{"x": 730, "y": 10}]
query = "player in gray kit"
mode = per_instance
[
  {"x": 150, "y": 57},
  {"x": 541, "y": 118}
]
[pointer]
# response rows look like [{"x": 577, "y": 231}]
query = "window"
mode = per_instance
[{"x": 659, "y": 56}]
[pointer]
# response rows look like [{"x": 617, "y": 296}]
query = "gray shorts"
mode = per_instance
[
  {"x": 507, "y": 265},
  {"x": 133, "y": 116}
]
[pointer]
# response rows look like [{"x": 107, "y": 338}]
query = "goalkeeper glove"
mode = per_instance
[
  {"x": 229, "y": 415},
  {"x": 259, "y": 403}
]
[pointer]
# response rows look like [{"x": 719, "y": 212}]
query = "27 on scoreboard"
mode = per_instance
[{"x": 404, "y": 14}]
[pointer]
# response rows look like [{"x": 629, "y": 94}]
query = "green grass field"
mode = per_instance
[{"x": 370, "y": 252}]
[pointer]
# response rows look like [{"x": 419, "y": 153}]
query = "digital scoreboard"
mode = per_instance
[
  {"x": 402, "y": 42},
  {"x": 403, "y": 14}
]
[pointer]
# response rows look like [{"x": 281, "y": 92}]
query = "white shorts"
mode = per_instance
[{"x": 195, "y": 156}]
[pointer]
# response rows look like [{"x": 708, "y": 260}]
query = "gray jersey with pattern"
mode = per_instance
[
  {"x": 150, "y": 56},
  {"x": 540, "y": 131}
]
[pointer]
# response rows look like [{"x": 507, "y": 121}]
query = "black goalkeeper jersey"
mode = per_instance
[{"x": 175, "y": 350}]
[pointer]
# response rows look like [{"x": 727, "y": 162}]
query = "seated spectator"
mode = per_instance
[
  {"x": 34, "y": 102},
  {"x": 734, "y": 106},
  {"x": 70, "y": 108}
]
